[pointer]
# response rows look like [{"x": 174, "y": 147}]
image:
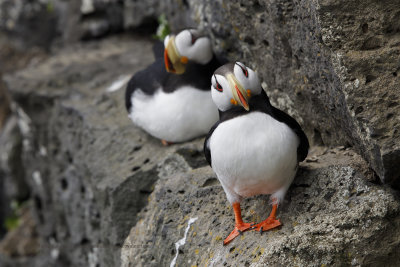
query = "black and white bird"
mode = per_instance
[
  {"x": 254, "y": 148},
  {"x": 171, "y": 98}
]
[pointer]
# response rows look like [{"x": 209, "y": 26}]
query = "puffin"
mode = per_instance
[
  {"x": 254, "y": 148},
  {"x": 171, "y": 98}
]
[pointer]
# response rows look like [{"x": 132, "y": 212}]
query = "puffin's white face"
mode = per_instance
[
  {"x": 234, "y": 84},
  {"x": 188, "y": 45}
]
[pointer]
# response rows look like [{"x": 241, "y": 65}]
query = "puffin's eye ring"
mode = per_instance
[
  {"x": 218, "y": 87},
  {"x": 244, "y": 70}
]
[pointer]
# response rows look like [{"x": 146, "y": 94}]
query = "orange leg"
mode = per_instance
[
  {"x": 165, "y": 143},
  {"x": 270, "y": 223},
  {"x": 240, "y": 226}
]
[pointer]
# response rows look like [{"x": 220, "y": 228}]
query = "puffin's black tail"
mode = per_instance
[{"x": 128, "y": 94}]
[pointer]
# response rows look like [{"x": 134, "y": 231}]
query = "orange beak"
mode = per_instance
[
  {"x": 168, "y": 64},
  {"x": 243, "y": 100},
  {"x": 240, "y": 96},
  {"x": 174, "y": 62}
]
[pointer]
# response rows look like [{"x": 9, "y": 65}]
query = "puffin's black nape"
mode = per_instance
[{"x": 225, "y": 69}]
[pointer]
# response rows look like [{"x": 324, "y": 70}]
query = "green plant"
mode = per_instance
[
  {"x": 12, "y": 221},
  {"x": 50, "y": 6},
  {"x": 163, "y": 28}
]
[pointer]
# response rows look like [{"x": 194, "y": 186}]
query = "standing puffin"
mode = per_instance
[
  {"x": 254, "y": 148},
  {"x": 171, "y": 98}
]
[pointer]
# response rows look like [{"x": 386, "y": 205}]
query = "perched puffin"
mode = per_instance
[
  {"x": 171, "y": 98},
  {"x": 254, "y": 148}
]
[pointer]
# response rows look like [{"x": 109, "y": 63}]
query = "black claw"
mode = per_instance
[
  {"x": 240, "y": 232},
  {"x": 261, "y": 230},
  {"x": 252, "y": 224}
]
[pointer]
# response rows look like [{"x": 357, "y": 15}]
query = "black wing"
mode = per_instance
[
  {"x": 207, "y": 151},
  {"x": 148, "y": 80},
  {"x": 302, "y": 149},
  {"x": 128, "y": 93},
  {"x": 262, "y": 103}
]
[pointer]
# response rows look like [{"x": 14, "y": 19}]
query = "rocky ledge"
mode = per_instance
[
  {"x": 104, "y": 192},
  {"x": 332, "y": 216}
]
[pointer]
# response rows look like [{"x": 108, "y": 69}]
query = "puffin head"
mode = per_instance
[
  {"x": 188, "y": 45},
  {"x": 234, "y": 84}
]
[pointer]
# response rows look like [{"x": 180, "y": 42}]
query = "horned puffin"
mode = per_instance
[
  {"x": 171, "y": 98},
  {"x": 254, "y": 148}
]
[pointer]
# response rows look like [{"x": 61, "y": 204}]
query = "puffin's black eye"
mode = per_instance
[
  {"x": 194, "y": 38},
  {"x": 245, "y": 72},
  {"x": 218, "y": 87}
]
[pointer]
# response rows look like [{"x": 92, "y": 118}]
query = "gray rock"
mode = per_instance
[
  {"x": 45, "y": 22},
  {"x": 4, "y": 104},
  {"x": 331, "y": 217},
  {"x": 33, "y": 23},
  {"x": 89, "y": 170},
  {"x": 41, "y": 22},
  {"x": 333, "y": 65}
]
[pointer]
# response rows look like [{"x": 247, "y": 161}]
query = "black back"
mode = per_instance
[
  {"x": 158, "y": 49},
  {"x": 261, "y": 103},
  {"x": 156, "y": 76}
]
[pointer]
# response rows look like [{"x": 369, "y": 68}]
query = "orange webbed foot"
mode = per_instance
[
  {"x": 266, "y": 225},
  {"x": 270, "y": 223},
  {"x": 238, "y": 230}
]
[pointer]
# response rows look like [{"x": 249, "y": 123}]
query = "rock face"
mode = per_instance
[
  {"x": 45, "y": 22},
  {"x": 335, "y": 64},
  {"x": 33, "y": 22},
  {"x": 4, "y": 104},
  {"x": 87, "y": 167}
]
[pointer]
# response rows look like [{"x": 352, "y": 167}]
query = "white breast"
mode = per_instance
[
  {"x": 253, "y": 154},
  {"x": 179, "y": 116}
]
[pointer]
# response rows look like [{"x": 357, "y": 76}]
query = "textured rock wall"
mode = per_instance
[
  {"x": 46, "y": 22},
  {"x": 4, "y": 104},
  {"x": 77, "y": 138},
  {"x": 333, "y": 64}
]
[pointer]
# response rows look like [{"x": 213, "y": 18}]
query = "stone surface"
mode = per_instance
[
  {"x": 89, "y": 170},
  {"x": 83, "y": 160},
  {"x": 331, "y": 217},
  {"x": 332, "y": 64},
  {"x": 12, "y": 181},
  {"x": 4, "y": 104},
  {"x": 32, "y": 22},
  {"x": 23, "y": 241},
  {"x": 46, "y": 22}
]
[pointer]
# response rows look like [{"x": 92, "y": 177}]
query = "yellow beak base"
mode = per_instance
[
  {"x": 174, "y": 63},
  {"x": 240, "y": 95}
]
